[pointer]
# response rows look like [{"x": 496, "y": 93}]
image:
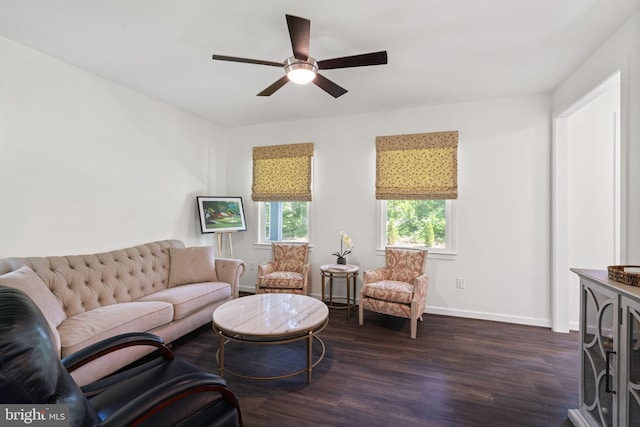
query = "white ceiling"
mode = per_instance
[{"x": 440, "y": 51}]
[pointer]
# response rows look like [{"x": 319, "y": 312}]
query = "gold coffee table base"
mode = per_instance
[
  {"x": 223, "y": 339},
  {"x": 270, "y": 319}
]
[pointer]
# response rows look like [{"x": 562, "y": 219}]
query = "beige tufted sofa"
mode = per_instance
[{"x": 160, "y": 287}]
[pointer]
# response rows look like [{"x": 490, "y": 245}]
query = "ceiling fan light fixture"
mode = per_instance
[
  {"x": 301, "y": 72},
  {"x": 302, "y": 69}
]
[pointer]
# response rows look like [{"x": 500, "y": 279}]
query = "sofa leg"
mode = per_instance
[{"x": 360, "y": 314}]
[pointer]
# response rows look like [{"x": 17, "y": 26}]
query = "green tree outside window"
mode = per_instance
[{"x": 416, "y": 223}]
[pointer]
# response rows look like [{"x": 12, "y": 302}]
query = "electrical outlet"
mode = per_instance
[
  {"x": 460, "y": 283},
  {"x": 252, "y": 266}
]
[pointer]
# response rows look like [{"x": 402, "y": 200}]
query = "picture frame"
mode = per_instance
[{"x": 221, "y": 214}]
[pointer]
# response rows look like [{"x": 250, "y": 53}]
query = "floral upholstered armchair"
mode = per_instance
[
  {"x": 289, "y": 272},
  {"x": 399, "y": 289}
]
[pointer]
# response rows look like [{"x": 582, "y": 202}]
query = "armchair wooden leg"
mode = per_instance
[
  {"x": 360, "y": 313},
  {"x": 414, "y": 327}
]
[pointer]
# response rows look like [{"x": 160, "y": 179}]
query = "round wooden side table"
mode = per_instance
[{"x": 349, "y": 272}]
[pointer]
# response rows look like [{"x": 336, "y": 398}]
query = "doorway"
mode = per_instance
[{"x": 586, "y": 195}]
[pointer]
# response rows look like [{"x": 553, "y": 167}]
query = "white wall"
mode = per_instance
[
  {"x": 86, "y": 165},
  {"x": 502, "y": 211}
]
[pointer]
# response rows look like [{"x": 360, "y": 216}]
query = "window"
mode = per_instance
[
  {"x": 417, "y": 223},
  {"x": 284, "y": 221},
  {"x": 282, "y": 187},
  {"x": 416, "y": 182}
]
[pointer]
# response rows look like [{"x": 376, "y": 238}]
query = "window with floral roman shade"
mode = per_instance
[
  {"x": 282, "y": 172},
  {"x": 417, "y": 166}
]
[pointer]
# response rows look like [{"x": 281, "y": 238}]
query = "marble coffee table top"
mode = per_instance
[{"x": 270, "y": 315}]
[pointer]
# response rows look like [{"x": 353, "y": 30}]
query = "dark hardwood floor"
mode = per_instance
[{"x": 458, "y": 372}]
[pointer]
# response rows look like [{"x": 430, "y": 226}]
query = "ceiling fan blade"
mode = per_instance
[
  {"x": 274, "y": 87},
  {"x": 374, "y": 58},
  {"x": 247, "y": 60},
  {"x": 328, "y": 86},
  {"x": 299, "y": 30}
]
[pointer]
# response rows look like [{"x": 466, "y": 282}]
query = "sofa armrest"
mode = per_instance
[
  {"x": 109, "y": 345},
  {"x": 306, "y": 273},
  {"x": 375, "y": 275},
  {"x": 420, "y": 285},
  {"x": 229, "y": 270},
  {"x": 266, "y": 268}
]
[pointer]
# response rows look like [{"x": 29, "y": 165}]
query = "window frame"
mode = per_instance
[
  {"x": 448, "y": 252},
  {"x": 261, "y": 240}
]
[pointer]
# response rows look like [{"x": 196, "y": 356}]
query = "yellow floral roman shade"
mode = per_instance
[
  {"x": 282, "y": 173},
  {"x": 417, "y": 166}
]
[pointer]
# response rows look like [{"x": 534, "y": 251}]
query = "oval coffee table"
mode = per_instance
[{"x": 271, "y": 319}]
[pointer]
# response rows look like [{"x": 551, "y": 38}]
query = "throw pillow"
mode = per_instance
[
  {"x": 31, "y": 284},
  {"x": 192, "y": 265}
]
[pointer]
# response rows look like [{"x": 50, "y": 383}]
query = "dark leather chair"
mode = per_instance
[{"x": 160, "y": 392}]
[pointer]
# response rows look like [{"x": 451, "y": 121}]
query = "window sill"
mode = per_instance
[
  {"x": 433, "y": 254},
  {"x": 267, "y": 246}
]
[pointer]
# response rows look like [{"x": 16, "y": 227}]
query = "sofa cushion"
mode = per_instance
[
  {"x": 30, "y": 283},
  {"x": 94, "y": 325},
  {"x": 187, "y": 299},
  {"x": 389, "y": 290},
  {"x": 192, "y": 265},
  {"x": 282, "y": 280}
]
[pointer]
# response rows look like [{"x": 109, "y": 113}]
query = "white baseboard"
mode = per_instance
[
  {"x": 250, "y": 289},
  {"x": 521, "y": 320},
  {"x": 574, "y": 326}
]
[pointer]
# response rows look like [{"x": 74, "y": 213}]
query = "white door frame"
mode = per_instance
[{"x": 560, "y": 321}]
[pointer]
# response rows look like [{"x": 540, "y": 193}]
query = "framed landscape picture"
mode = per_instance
[{"x": 221, "y": 214}]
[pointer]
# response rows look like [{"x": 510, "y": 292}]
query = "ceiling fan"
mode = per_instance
[{"x": 302, "y": 68}]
